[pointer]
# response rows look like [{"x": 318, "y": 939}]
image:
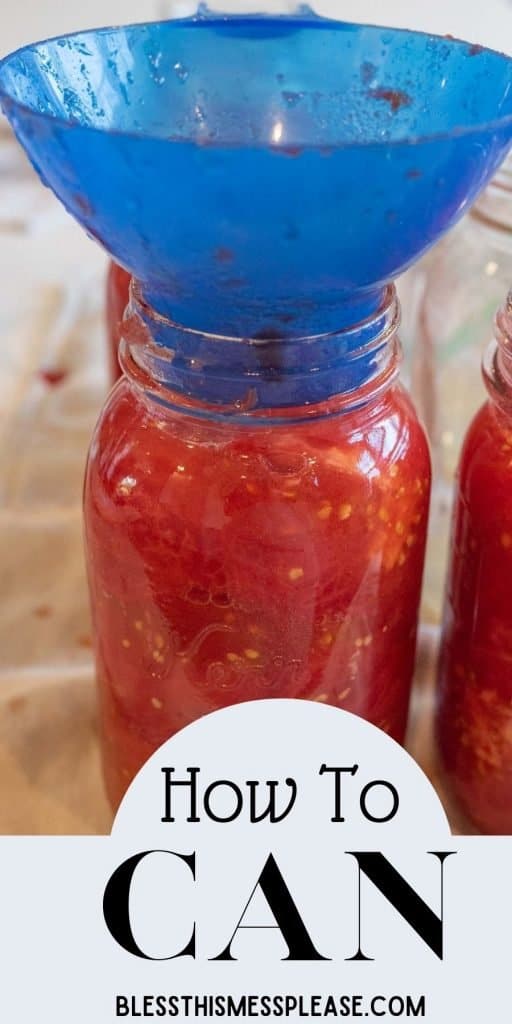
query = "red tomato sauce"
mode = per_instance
[
  {"x": 229, "y": 563},
  {"x": 474, "y": 721}
]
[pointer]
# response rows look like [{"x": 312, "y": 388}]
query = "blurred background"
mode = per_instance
[
  {"x": 489, "y": 23},
  {"x": 53, "y": 379}
]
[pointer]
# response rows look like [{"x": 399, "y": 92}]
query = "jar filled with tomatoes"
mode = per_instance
[
  {"x": 449, "y": 299},
  {"x": 474, "y": 715},
  {"x": 255, "y": 517}
]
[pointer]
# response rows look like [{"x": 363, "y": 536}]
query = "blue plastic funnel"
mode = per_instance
[{"x": 262, "y": 174}]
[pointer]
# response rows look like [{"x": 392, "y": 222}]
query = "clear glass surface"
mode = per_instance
[{"x": 474, "y": 720}]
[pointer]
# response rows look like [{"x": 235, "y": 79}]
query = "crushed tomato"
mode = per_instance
[
  {"x": 474, "y": 719},
  {"x": 234, "y": 562}
]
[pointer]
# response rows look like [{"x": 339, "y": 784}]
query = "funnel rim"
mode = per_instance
[{"x": 309, "y": 20}]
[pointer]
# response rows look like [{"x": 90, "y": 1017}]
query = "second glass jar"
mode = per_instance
[
  {"x": 255, "y": 516},
  {"x": 474, "y": 712},
  {"x": 449, "y": 300}
]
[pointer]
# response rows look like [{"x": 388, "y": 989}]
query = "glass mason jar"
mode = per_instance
[
  {"x": 474, "y": 715},
  {"x": 255, "y": 517},
  {"x": 118, "y": 287},
  {"x": 449, "y": 299}
]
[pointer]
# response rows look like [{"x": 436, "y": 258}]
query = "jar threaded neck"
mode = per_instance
[
  {"x": 497, "y": 359},
  {"x": 252, "y": 376}
]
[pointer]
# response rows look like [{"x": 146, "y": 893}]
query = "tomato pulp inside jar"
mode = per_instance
[
  {"x": 231, "y": 561},
  {"x": 474, "y": 721},
  {"x": 118, "y": 289}
]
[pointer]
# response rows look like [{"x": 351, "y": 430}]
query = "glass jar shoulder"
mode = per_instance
[
  {"x": 143, "y": 449},
  {"x": 485, "y": 470}
]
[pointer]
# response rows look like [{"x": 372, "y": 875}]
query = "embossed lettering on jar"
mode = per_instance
[{"x": 255, "y": 522}]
